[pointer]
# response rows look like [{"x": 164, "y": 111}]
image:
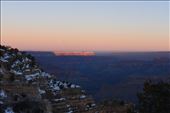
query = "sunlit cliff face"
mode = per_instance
[{"x": 74, "y": 53}]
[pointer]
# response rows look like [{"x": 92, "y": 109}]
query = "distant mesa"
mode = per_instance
[{"x": 75, "y": 53}]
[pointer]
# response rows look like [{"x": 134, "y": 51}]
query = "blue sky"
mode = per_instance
[{"x": 86, "y": 25}]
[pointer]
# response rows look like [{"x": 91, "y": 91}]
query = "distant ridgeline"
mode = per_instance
[
  {"x": 41, "y": 53},
  {"x": 75, "y": 53},
  {"x": 26, "y": 88}
]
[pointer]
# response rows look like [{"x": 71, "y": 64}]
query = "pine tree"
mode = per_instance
[{"x": 155, "y": 98}]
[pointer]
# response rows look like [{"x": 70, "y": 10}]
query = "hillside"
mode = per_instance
[{"x": 26, "y": 88}]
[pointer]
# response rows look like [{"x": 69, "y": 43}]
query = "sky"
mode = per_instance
[{"x": 86, "y": 25}]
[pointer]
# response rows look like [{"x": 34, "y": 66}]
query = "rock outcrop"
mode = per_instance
[{"x": 26, "y": 88}]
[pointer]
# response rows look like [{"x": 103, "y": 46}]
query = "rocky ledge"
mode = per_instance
[{"x": 26, "y": 88}]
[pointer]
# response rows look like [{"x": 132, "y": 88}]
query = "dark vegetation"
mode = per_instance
[
  {"x": 28, "y": 106},
  {"x": 155, "y": 98}
]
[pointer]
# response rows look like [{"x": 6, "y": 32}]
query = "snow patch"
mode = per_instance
[
  {"x": 1, "y": 102},
  {"x": 3, "y": 60},
  {"x": 2, "y": 94},
  {"x": 9, "y": 110},
  {"x": 17, "y": 72},
  {"x": 82, "y": 96},
  {"x": 41, "y": 91},
  {"x": 44, "y": 74},
  {"x": 31, "y": 76},
  {"x": 2, "y": 50},
  {"x": 60, "y": 99},
  {"x": 70, "y": 112}
]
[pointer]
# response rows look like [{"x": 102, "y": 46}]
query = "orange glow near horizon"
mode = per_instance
[
  {"x": 86, "y": 26},
  {"x": 70, "y": 41}
]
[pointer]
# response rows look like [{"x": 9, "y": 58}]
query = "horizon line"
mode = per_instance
[{"x": 98, "y": 51}]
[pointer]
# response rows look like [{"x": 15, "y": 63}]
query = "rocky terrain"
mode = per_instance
[{"x": 26, "y": 88}]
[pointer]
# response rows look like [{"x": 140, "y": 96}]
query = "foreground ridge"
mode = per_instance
[{"x": 26, "y": 88}]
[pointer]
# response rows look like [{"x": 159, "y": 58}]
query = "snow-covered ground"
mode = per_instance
[
  {"x": 56, "y": 85},
  {"x": 2, "y": 94},
  {"x": 9, "y": 110}
]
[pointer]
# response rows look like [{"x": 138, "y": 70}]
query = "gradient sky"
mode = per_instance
[{"x": 85, "y": 25}]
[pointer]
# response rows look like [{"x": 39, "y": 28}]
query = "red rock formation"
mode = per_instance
[{"x": 75, "y": 53}]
